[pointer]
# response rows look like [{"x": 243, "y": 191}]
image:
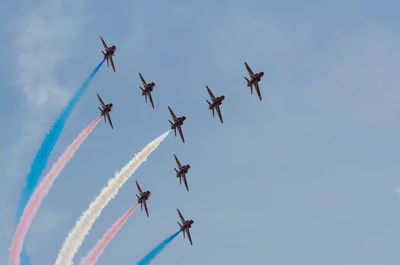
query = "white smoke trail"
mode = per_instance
[{"x": 85, "y": 222}]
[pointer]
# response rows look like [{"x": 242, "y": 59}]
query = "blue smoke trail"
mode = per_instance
[
  {"x": 152, "y": 254},
  {"x": 40, "y": 161}
]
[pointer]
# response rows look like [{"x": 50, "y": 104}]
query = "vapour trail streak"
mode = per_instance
[
  {"x": 152, "y": 254},
  {"x": 85, "y": 222},
  {"x": 40, "y": 161},
  {"x": 94, "y": 254},
  {"x": 41, "y": 191}
]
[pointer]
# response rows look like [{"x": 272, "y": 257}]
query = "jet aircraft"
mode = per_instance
[
  {"x": 254, "y": 79},
  {"x": 105, "y": 111},
  {"x": 181, "y": 173},
  {"x": 178, "y": 122},
  {"x": 142, "y": 198},
  {"x": 216, "y": 102},
  {"x": 185, "y": 226},
  {"x": 108, "y": 53},
  {"x": 148, "y": 88}
]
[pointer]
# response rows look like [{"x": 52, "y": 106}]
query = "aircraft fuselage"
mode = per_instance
[
  {"x": 148, "y": 88},
  {"x": 178, "y": 122},
  {"x": 256, "y": 78},
  {"x": 107, "y": 108},
  {"x": 145, "y": 196},
  {"x": 183, "y": 170},
  {"x": 217, "y": 101},
  {"x": 186, "y": 225}
]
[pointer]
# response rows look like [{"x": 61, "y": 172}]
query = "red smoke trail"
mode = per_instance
[
  {"x": 41, "y": 192},
  {"x": 96, "y": 251}
]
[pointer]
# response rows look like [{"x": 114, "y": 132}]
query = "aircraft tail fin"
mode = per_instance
[
  {"x": 248, "y": 81},
  {"x": 209, "y": 104},
  {"x": 170, "y": 122}
]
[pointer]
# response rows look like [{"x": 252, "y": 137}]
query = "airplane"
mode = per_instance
[
  {"x": 148, "y": 88},
  {"x": 144, "y": 196},
  {"x": 105, "y": 110},
  {"x": 184, "y": 227},
  {"x": 109, "y": 53},
  {"x": 178, "y": 122},
  {"x": 181, "y": 173},
  {"x": 254, "y": 79},
  {"x": 216, "y": 102}
]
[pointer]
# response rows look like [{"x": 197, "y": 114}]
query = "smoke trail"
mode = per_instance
[
  {"x": 41, "y": 191},
  {"x": 93, "y": 255},
  {"x": 85, "y": 222},
  {"x": 40, "y": 161},
  {"x": 152, "y": 254}
]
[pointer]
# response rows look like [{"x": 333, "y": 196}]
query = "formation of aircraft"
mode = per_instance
[
  {"x": 178, "y": 122},
  {"x": 254, "y": 79},
  {"x": 181, "y": 172},
  {"x": 148, "y": 88},
  {"x": 105, "y": 111},
  {"x": 142, "y": 198},
  {"x": 108, "y": 53},
  {"x": 216, "y": 102},
  {"x": 185, "y": 226}
]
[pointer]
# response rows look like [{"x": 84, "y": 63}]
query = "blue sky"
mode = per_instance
[{"x": 307, "y": 176}]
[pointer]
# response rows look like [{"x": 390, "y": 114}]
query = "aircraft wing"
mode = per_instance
[
  {"x": 139, "y": 189},
  {"x": 145, "y": 208},
  {"x": 219, "y": 114},
  {"x": 181, "y": 133},
  {"x": 190, "y": 238},
  {"x": 104, "y": 43},
  {"x": 180, "y": 215},
  {"x": 141, "y": 77},
  {"x": 249, "y": 69},
  {"x": 177, "y": 162},
  {"x": 210, "y": 93},
  {"x": 184, "y": 181},
  {"x": 109, "y": 119},
  {"x": 101, "y": 101},
  {"x": 172, "y": 113},
  {"x": 258, "y": 90},
  {"x": 151, "y": 100},
  {"x": 112, "y": 63}
]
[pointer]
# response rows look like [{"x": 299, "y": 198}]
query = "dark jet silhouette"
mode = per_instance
[
  {"x": 181, "y": 173},
  {"x": 148, "y": 88},
  {"x": 109, "y": 53},
  {"x": 178, "y": 122},
  {"x": 216, "y": 102},
  {"x": 254, "y": 79},
  {"x": 105, "y": 110},
  {"x": 185, "y": 226},
  {"x": 142, "y": 198}
]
